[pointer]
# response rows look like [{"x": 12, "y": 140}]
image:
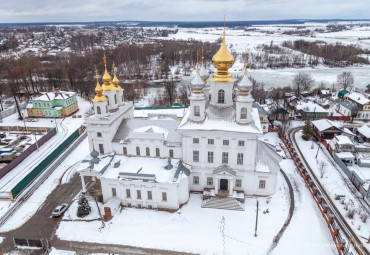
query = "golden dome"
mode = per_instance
[
  {"x": 223, "y": 60},
  {"x": 98, "y": 89},
  {"x": 107, "y": 78},
  {"x": 115, "y": 80}
]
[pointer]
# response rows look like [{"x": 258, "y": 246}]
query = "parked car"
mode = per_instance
[
  {"x": 359, "y": 139},
  {"x": 2, "y": 135},
  {"x": 60, "y": 210}
]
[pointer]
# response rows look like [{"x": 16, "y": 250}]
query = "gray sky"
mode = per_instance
[{"x": 178, "y": 10}]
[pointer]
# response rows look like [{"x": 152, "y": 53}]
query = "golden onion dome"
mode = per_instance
[
  {"x": 107, "y": 78},
  {"x": 98, "y": 89},
  {"x": 116, "y": 83},
  {"x": 223, "y": 60}
]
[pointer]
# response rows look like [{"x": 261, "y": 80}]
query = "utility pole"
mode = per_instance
[
  {"x": 255, "y": 230},
  {"x": 318, "y": 148},
  {"x": 101, "y": 217}
]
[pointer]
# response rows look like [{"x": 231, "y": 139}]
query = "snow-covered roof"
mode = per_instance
[
  {"x": 365, "y": 131},
  {"x": 358, "y": 98},
  {"x": 342, "y": 139},
  {"x": 50, "y": 96},
  {"x": 128, "y": 126},
  {"x": 144, "y": 113},
  {"x": 310, "y": 107},
  {"x": 348, "y": 105},
  {"x": 325, "y": 92},
  {"x": 222, "y": 119},
  {"x": 324, "y": 124},
  {"x": 345, "y": 155}
]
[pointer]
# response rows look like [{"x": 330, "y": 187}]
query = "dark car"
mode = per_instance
[
  {"x": 60, "y": 210},
  {"x": 359, "y": 139}
]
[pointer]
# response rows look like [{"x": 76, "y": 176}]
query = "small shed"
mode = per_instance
[{"x": 364, "y": 132}]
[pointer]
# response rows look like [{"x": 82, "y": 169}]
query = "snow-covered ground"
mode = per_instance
[
  {"x": 32, "y": 204},
  {"x": 71, "y": 213},
  {"x": 335, "y": 184},
  {"x": 307, "y": 232}
]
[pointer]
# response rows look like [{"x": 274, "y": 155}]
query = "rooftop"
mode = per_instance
[{"x": 50, "y": 96}]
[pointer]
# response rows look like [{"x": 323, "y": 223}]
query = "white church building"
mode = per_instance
[{"x": 157, "y": 162}]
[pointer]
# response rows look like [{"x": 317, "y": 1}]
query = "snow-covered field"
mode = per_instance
[
  {"x": 335, "y": 184},
  {"x": 241, "y": 41}
]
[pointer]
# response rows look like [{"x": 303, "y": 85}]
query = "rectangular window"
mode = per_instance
[
  {"x": 138, "y": 205},
  {"x": 225, "y": 157},
  {"x": 137, "y": 151},
  {"x": 150, "y": 195},
  {"x": 239, "y": 160},
  {"x": 262, "y": 184},
  {"x": 196, "y": 180},
  {"x": 164, "y": 196},
  {"x": 157, "y": 152},
  {"x": 99, "y": 134},
  {"x": 196, "y": 156},
  {"x": 150, "y": 207},
  {"x": 209, "y": 181},
  {"x": 240, "y": 143},
  {"x": 101, "y": 148},
  {"x": 138, "y": 194},
  {"x": 114, "y": 192},
  {"x": 225, "y": 142},
  {"x": 238, "y": 183},
  {"x": 124, "y": 150},
  {"x": 128, "y": 193},
  {"x": 211, "y": 141},
  {"x": 196, "y": 140},
  {"x": 171, "y": 153},
  {"x": 128, "y": 204},
  {"x": 210, "y": 157}
]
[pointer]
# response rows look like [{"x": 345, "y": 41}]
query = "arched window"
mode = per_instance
[
  {"x": 98, "y": 110},
  {"x": 122, "y": 98},
  {"x": 157, "y": 153},
  {"x": 107, "y": 99},
  {"x": 221, "y": 96},
  {"x": 115, "y": 98},
  {"x": 197, "y": 110},
  {"x": 147, "y": 151},
  {"x": 243, "y": 113},
  {"x": 106, "y": 108},
  {"x": 137, "y": 151}
]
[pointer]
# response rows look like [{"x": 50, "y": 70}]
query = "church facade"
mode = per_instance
[{"x": 156, "y": 162}]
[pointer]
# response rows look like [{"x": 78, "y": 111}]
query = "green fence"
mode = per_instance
[{"x": 40, "y": 167}]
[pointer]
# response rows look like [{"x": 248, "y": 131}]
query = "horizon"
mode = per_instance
[{"x": 26, "y": 11}]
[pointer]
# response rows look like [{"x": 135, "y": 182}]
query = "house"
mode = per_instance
[
  {"x": 310, "y": 111},
  {"x": 341, "y": 143},
  {"x": 278, "y": 113},
  {"x": 53, "y": 104},
  {"x": 325, "y": 93},
  {"x": 347, "y": 108},
  {"x": 363, "y": 104},
  {"x": 364, "y": 132},
  {"x": 325, "y": 129},
  {"x": 155, "y": 163},
  {"x": 342, "y": 94}
]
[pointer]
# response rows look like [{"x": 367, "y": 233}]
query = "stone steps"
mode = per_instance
[{"x": 223, "y": 203}]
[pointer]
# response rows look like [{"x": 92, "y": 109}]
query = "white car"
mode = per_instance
[{"x": 60, "y": 210}]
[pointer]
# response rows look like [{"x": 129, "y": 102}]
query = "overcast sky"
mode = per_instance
[{"x": 179, "y": 10}]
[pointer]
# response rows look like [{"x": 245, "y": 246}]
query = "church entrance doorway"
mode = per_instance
[{"x": 224, "y": 184}]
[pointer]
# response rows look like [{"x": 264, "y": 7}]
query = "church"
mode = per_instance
[{"x": 155, "y": 163}]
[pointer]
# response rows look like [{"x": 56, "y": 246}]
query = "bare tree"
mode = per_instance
[
  {"x": 170, "y": 89},
  {"x": 302, "y": 81},
  {"x": 322, "y": 168},
  {"x": 345, "y": 79}
]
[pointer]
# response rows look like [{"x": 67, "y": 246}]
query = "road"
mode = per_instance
[{"x": 41, "y": 225}]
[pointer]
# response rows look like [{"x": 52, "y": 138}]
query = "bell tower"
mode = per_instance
[
  {"x": 100, "y": 101},
  {"x": 197, "y": 97},
  {"x": 222, "y": 82},
  {"x": 244, "y": 99},
  {"x": 120, "y": 98},
  {"x": 109, "y": 90}
]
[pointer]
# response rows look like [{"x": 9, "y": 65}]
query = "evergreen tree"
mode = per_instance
[
  {"x": 307, "y": 131},
  {"x": 84, "y": 208}
]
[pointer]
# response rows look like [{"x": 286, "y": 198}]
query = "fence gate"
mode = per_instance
[{"x": 28, "y": 243}]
